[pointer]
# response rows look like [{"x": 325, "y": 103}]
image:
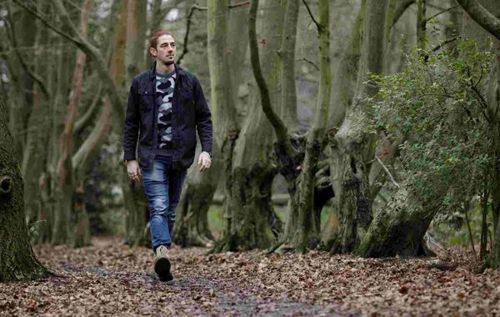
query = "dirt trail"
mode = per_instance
[{"x": 109, "y": 278}]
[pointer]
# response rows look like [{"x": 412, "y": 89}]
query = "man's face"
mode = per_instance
[{"x": 165, "y": 50}]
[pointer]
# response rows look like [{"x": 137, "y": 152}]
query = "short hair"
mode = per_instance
[{"x": 153, "y": 39}]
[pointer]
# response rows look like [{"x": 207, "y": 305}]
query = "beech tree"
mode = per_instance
[
  {"x": 226, "y": 55},
  {"x": 248, "y": 207}
]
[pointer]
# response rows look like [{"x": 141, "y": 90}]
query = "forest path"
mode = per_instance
[{"x": 110, "y": 278}]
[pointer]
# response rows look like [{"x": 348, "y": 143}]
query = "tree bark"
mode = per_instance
[
  {"x": 421, "y": 25},
  {"x": 17, "y": 261},
  {"x": 287, "y": 52}
]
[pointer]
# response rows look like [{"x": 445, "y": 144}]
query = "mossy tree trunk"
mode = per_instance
[
  {"x": 343, "y": 90},
  {"x": 248, "y": 207},
  {"x": 354, "y": 148},
  {"x": 399, "y": 228},
  {"x": 421, "y": 24},
  {"x": 303, "y": 222},
  {"x": 17, "y": 261}
]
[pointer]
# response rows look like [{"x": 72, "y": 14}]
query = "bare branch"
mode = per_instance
[
  {"x": 49, "y": 25},
  {"x": 188, "y": 28},
  {"x": 441, "y": 12},
  {"x": 90, "y": 113},
  {"x": 93, "y": 52},
  {"x": 448, "y": 41},
  {"x": 241, "y": 4},
  {"x": 188, "y": 25},
  {"x": 387, "y": 172}
]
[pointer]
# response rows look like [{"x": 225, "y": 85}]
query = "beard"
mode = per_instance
[{"x": 168, "y": 63}]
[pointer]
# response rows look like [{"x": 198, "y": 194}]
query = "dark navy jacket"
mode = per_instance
[{"x": 190, "y": 113}]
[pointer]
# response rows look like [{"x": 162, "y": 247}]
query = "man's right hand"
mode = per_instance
[{"x": 134, "y": 171}]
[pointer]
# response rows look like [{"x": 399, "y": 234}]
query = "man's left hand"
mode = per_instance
[{"x": 204, "y": 161}]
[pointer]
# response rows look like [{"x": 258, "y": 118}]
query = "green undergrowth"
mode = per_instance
[{"x": 454, "y": 231}]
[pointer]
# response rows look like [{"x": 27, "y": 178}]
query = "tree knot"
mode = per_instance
[{"x": 5, "y": 185}]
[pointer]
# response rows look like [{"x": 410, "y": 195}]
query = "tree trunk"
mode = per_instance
[
  {"x": 65, "y": 181},
  {"x": 134, "y": 199},
  {"x": 303, "y": 223},
  {"x": 494, "y": 101},
  {"x": 343, "y": 90},
  {"x": 354, "y": 148},
  {"x": 36, "y": 150},
  {"x": 62, "y": 197},
  {"x": 17, "y": 261},
  {"x": 225, "y": 48},
  {"x": 248, "y": 206},
  {"x": 484, "y": 17},
  {"x": 191, "y": 227},
  {"x": 288, "y": 107},
  {"x": 21, "y": 27},
  {"x": 399, "y": 228}
]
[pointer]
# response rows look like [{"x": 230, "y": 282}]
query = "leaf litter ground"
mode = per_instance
[{"x": 110, "y": 278}]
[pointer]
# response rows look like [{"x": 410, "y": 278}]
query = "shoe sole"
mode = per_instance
[{"x": 162, "y": 268}]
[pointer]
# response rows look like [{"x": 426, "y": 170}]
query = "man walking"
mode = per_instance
[{"x": 166, "y": 107}]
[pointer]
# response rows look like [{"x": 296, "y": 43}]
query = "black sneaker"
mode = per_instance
[{"x": 162, "y": 264}]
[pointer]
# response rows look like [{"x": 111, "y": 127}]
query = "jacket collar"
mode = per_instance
[{"x": 178, "y": 70}]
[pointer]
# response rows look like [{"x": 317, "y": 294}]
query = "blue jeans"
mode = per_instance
[{"x": 162, "y": 186}]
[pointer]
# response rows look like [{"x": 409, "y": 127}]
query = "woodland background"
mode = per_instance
[{"x": 365, "y": 127}]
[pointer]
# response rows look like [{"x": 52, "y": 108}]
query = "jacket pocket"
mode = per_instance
[{"x": 146, "y": 98}]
